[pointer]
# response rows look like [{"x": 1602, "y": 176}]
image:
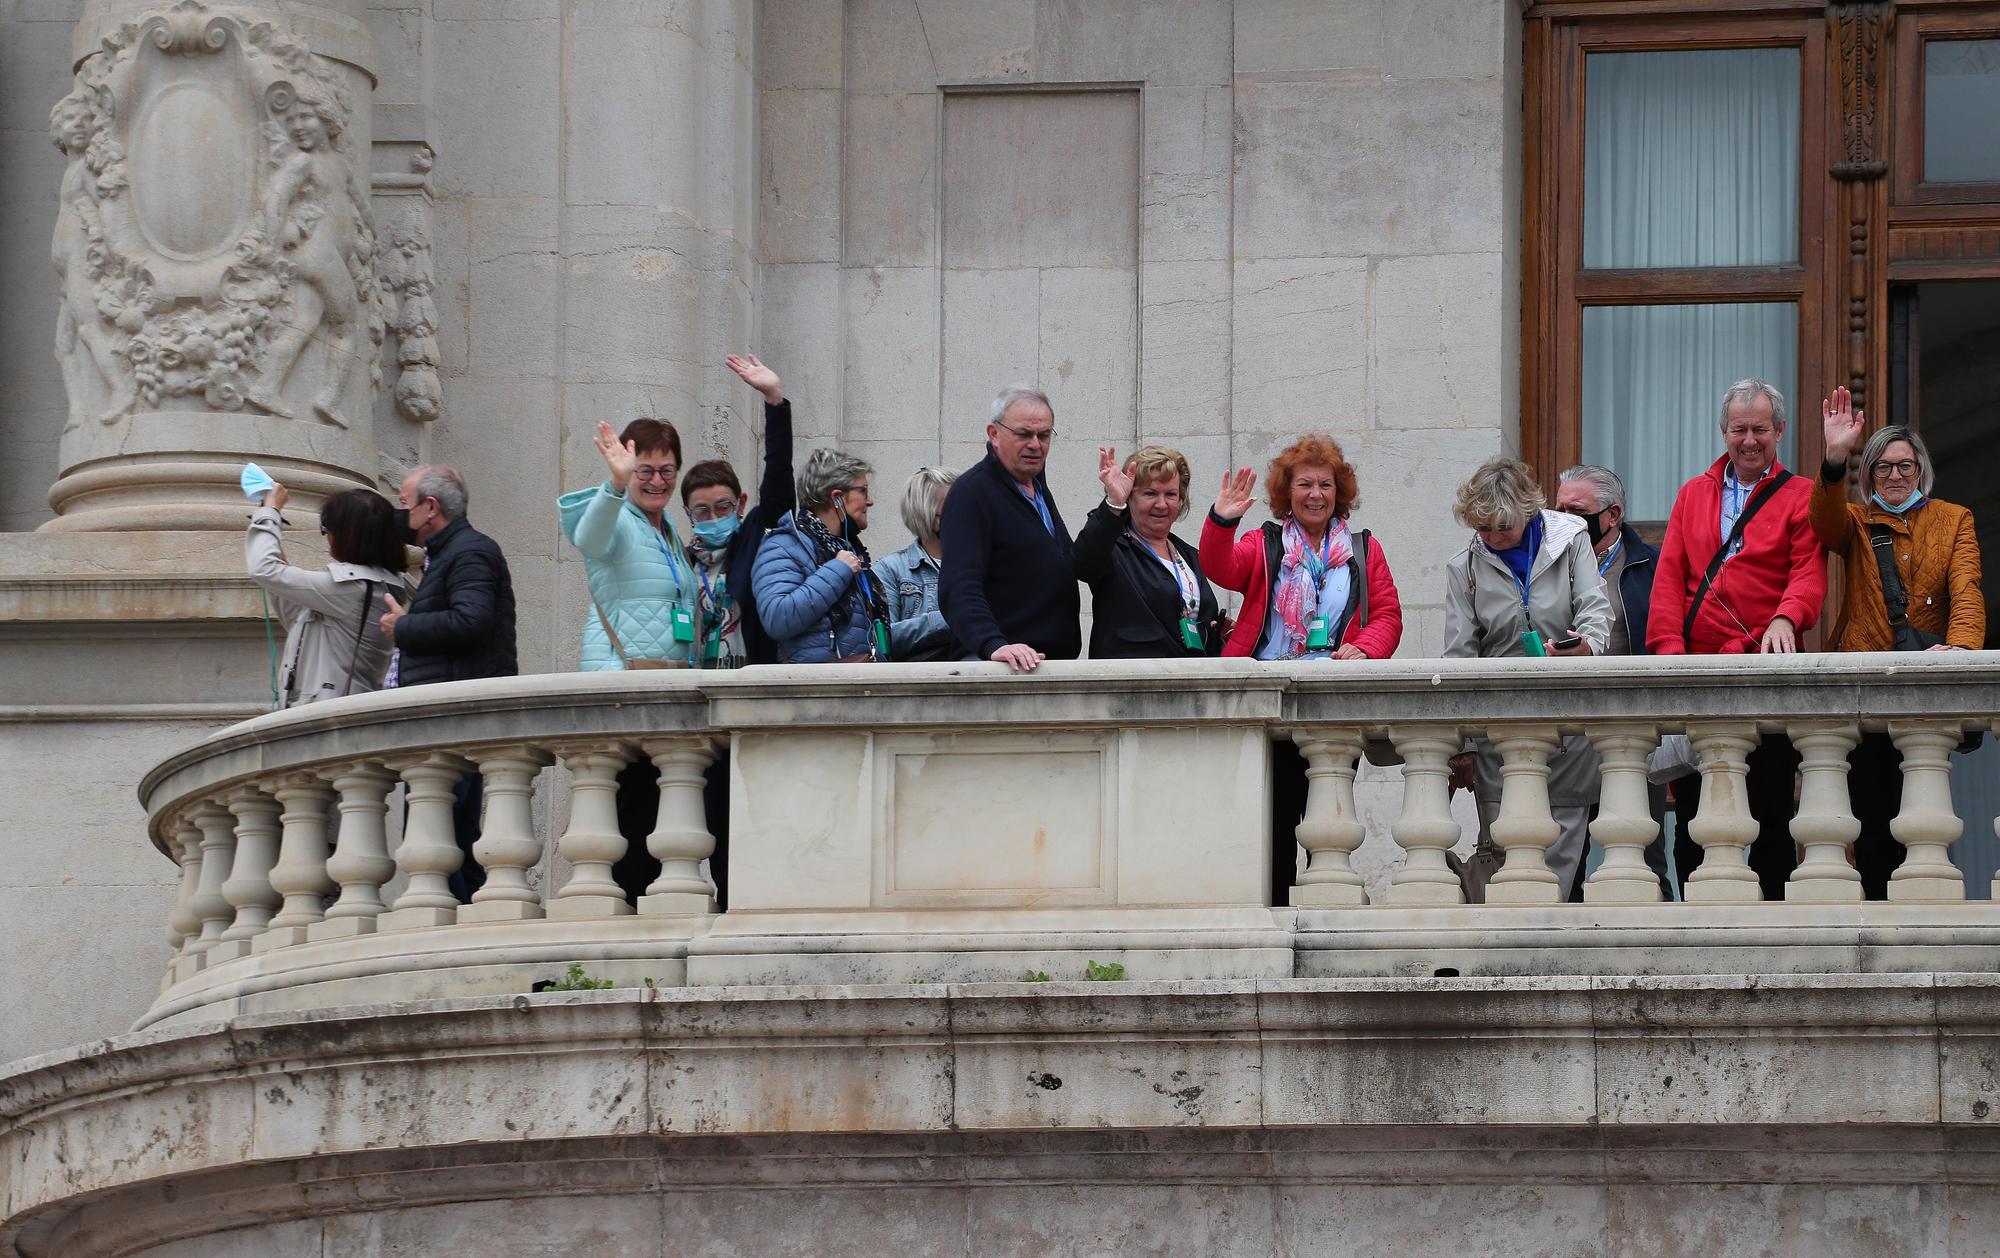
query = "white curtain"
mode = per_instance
[
  {"x": 1653, "y": 380},
  {"x": 1961, "y": 101},
  {"x": 1690, "y": 159}
]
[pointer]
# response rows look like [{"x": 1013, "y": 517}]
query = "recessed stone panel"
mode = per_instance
[{"x": 1041, "y": 179}]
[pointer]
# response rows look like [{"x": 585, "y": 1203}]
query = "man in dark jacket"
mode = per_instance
[
  {"x": 1006, "y": 586},
  {"x": 459, "y": 624},
  {"x": 1626, "y": 563}
]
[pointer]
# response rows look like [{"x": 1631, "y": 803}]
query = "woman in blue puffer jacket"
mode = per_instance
[
  {"x": 811, "y": 579},
  {"x": 639, "y": 573}
]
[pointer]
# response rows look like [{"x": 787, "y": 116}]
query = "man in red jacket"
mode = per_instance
[{"x": 1741, "y": 572}]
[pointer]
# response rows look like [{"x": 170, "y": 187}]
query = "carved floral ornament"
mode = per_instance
[{"x": 213, "y": 238}]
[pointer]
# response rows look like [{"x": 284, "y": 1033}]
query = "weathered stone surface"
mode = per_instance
[
  {"x": 1436, "y": 343},
  {"x": 1301, "y": 346}
]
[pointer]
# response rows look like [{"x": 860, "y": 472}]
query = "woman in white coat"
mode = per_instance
[{"x": 334, "y": 645}]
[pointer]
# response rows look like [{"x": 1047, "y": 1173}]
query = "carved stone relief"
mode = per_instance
[
  {"x": 213, "y": 238},
  {"x": 409, "y": 275}
]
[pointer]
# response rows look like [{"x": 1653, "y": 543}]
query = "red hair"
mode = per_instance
[{"x": 1311, "y": 450}]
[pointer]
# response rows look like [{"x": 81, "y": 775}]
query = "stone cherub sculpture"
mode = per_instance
[{"x": 88, "y": 343}]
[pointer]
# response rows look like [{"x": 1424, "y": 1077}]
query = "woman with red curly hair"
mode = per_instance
[{"x": 1311, "y": 589}]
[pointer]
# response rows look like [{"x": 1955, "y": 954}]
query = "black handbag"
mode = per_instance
[{"x": 1907, "y": 637}]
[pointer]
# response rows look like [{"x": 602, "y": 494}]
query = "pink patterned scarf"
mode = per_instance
[{"x": 1294, "y": 592}]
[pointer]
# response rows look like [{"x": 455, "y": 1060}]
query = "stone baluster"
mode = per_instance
[
  {"x": 218, "y": 852},
  {"x": 428, "y": 855},
  {"x": 592, "y": 843},
  {"x": 680, "y": 839},
  {"x": 1927, "y": 824},
  {"x": 300, "y": 874},
  {"x": 184, "y": 922},
  {"x": 1525, "y": 828},
  {"x": 1624, "y": 824},
  {"x": 249, "y": 888},
  {"x": 1426, "y": 828},
  {"x": 360, "y": 861},
  {"x": 1331, "y": 828},
  {"x": 1724, "y": 826},
  {"x": 508, "y": 845},
  {"x": 1825, "y": 822}
]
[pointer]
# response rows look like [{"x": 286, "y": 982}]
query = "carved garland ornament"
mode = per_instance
[{"x": 213, "y": 241}]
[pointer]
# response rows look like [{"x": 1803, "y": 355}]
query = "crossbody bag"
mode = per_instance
[
  {"x": 1894, "y": 601},
  {"x": 1750, "y": 510}
]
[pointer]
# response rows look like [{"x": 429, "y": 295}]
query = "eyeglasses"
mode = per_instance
[
  {"x": 717, "y": 511},
  {"x": 859, "y": 491},
  {"x": 1738, "y": 433},
  {"x": 666, "y": 473},
  {"x": 1043, "y": 435},
  {"x": 1904, "y": 468}
]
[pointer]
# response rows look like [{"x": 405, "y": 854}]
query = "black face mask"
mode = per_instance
[
  {"x": 1595, "y": 523},
  {"x": 403, "y": 525}
]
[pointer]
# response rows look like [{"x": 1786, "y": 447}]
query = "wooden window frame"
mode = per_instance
[
  {"x": 1557, "y": 288},
  {"x": 1913, "y": 31}
]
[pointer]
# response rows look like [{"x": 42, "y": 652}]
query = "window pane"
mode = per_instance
[
  {"x": 1691, "y": 158},
  {"x": 1653, "y": 380},
  {"x": 1961, "y": 110}
]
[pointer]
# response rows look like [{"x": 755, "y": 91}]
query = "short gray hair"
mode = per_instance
[
  {"x": 1744, "y": 390},
  {"x": 825, "y": 471},
  {"x": 921, "y": 497},
  {"x": 1871, "y": 454},
  {"x": 1501, "y": 494},
  {"x": 1015, "y": 394},
  {"x": 1610, "y": 490},
  {"x": 435, "y": 480}
]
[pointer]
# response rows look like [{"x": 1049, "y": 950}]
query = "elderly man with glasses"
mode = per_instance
[
  {"x": 1006, "y": 586},
  {"x": 1741, "y": 572}
]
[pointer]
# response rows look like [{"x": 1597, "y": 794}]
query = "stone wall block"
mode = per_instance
[
  {"x": 1436, "y": 344},
  {"x": 980, "y": 41},
  {"x": 992, "y": 338},
  {"x": 801, "y": 338},
  {"x": 1447, "y": 39},
  {"x": 1089, "y": 41},
  {"x": 497, "y": 134},
  {"x": 890, "y": 374},
  {"x": 885, "y": 49},
  {"x": 1300, "y": 344},
  {"x": 626, "y": 130},
  {"x": 1544, "y": 1218},
  {"x": 1185, "y": 346},
  {"x": 799, "y": 177},
  {"x": 1184, "y": 181},
  {"x": 631, "y": 308},
  {"x": 1089, "y": 343},
  {"x": 890, "y": 180},
  {"x": 451, "y": 262},
  {"x": 510, "y": 278},
  {"x": 1041, "y": 179},
  {"x": 1354, "y": 167},
  {"x": 1289, "y": 36},
  {"x": 799, "y": 43}
]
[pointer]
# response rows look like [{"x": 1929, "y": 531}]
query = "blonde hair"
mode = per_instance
[
  {"x": 1502, "y": 494},
  {"x": 1152, "y": 463},
  {"x": 921, "y": 496}
]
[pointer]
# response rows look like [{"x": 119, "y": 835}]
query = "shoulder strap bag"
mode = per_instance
[
  {"x": 1750, "y": 509},
  {"x": 611, "y": 636},
  {"x": 360, "y": 629},
  {"x": 1907, "y": 636}
]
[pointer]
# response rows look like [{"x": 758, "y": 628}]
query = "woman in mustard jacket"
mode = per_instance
[{"x": 1933, "y": 550}]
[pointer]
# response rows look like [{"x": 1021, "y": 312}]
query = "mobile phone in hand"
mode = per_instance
[{"x": 1568, "y": 642}]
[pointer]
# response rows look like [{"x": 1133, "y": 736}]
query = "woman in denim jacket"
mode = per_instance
[{"x": 909, "y": 578}]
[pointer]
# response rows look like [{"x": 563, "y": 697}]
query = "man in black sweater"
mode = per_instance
[
  {"x": 459, "y": 624},
  {"x": 1005, "y": 586}
]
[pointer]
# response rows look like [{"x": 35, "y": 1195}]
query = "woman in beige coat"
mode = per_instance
[
  {"x": 334, "y": 645},
  {"x": 1525, "y": 569}
]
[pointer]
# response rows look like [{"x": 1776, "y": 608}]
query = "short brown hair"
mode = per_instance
[
  {"x": 1159, "y": 463},
  {"x": 1312, "y": 450},
  {"x": 652, "y": 436},
  {"x": 707, "y": 474}
]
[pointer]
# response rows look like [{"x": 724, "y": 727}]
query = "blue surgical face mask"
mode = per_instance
[
  {"x": 1907, "y": 503},
  {"x": 715, "y": 534}
]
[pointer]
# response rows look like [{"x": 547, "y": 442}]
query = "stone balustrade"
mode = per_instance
[{"x": 955, "y": 823}]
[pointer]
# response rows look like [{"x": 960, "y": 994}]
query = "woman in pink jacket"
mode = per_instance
[
  {"x": 1312, "y": 590},
  {"x": 1333, "y": 597}
]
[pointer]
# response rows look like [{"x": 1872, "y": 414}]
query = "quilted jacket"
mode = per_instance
[
  {"x": 638, "y": 574},
  {"x": 1937, "y": 557},
  {"x": 812, "y": 610}
]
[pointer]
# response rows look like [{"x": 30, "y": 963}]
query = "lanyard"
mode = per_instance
[
  {"x": 1610, "y": 557},
  {"x": 673, "y": 565},
  {"x": 1183, "y": 577},
  {"x": 717, "y": 595},
  {"x": 1317, "y": 571}
]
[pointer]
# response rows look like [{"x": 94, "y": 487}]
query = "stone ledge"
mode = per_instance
[{"x": 1738, "y": 1052}]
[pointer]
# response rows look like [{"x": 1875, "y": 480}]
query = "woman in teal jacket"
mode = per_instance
[{"x": 639, "y": 573}]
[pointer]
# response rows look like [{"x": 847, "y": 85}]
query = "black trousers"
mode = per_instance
[
  {"x": 1773, "y": 789},
  {"x": 639, "y": 812},
  {"x": 1875, "y": 784},
  {"x": 466, "y": 798}
]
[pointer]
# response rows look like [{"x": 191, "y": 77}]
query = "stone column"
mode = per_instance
[
  {"x": 592, "y": 843},
  {"x": 1624, "y": 824},
  {"x": 509, "y": 845},
  {"x": 1927, "y": 824},
  {"x": 1724, "y": 826},
  {"x": 360, "y": 862},
  {"x": 1331, "y": 828},
  {"x": 1525, "y": 828},
  {"x": 429, "y": 852},
  {"x": 300, "y": 874},
  {"x": 217, "y": 261},
  {"x": 1825, "y": 823},
  {"x": 680, "y": 837},
  {"x": 1426, "y": 828}
]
